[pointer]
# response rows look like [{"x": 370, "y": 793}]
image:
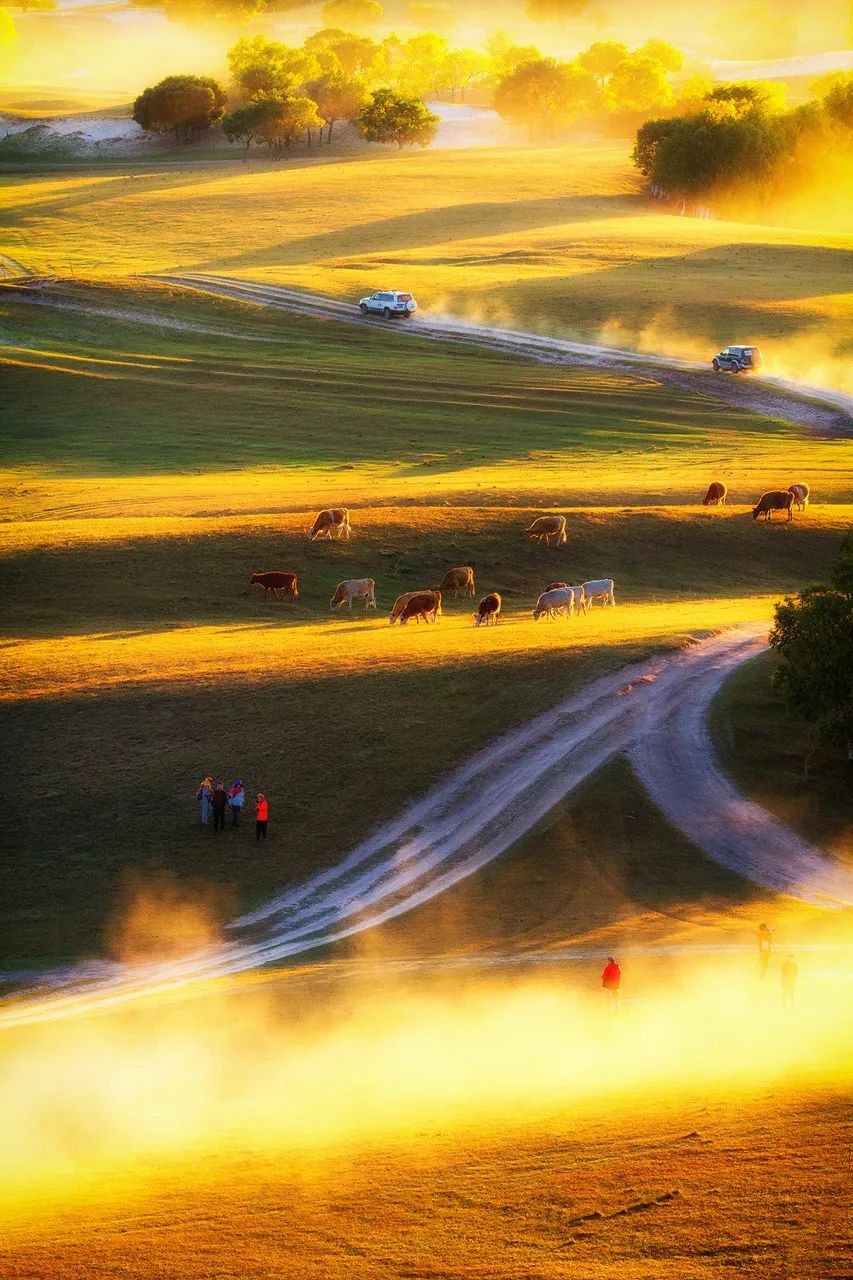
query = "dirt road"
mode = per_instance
[
  {"x": 655, "y": 711},
  {"x": 826, "y": 412}
]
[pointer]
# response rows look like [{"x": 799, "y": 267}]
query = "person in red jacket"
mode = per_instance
[
  {"x": 262, "y": 813},
  {"x": 611, "y": 980}
]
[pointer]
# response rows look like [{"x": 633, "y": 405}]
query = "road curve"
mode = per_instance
[
  {"x": 826, "y": 412},
  {"x": 655, "y": 711}
]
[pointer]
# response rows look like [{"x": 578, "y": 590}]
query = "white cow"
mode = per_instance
[
  {"x": 354, "y": 589},
  {"x": 558, "y": 600},
  {"x": 602, "y": 590}
]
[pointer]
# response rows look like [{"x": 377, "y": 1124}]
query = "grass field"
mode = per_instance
[
  {"x": 766, "y": 753},
  {"x": 559, "y": 239},
  {"x": 154, "y": 468}
]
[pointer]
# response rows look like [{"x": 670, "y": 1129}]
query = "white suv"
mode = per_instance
[{"x": 388, "y": 304}]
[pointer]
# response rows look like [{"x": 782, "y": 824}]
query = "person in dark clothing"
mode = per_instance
[{"x": 219, "y": 803}]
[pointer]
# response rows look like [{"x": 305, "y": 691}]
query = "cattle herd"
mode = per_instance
[
  {"x": 795, "y": 496},
  {"x": 560, "y": 598}
]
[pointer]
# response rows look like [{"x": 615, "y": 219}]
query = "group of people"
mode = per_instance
[
  {"x": 217, "y": 800},
  {"x": 611, "y": 977}
]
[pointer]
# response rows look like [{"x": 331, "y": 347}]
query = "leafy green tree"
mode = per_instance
[
  {"x": 813, "y": 635},
  {"x": 559, "y": 11},
  {"x": 356, "y": 55},
  {"x": 392, "y": 117},
  {"x": 639, "y": 84},
  {"x": 711, "y": 153},
  {"x": 261, "y": 66},
  {"x": 670, "y": 58},
  {"x": 338, "y": 97},
  {"x": 245, "y": 124},
  {"x": 354, "y": 13},
  {"x": 838, "y": 103},
  {"x": 422, "y": 67},
  {"x": 284, "y": 119},
  {"x": 602, "y": 58},
  {"x": 183, "y": 105},
  {"x": 545, "y": 95},
  {"x": 461, "y": 69}
]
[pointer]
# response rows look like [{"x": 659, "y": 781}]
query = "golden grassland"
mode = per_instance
[
  {"x": 460, "y": 1123},
  {"x": 559, "y": 238}
]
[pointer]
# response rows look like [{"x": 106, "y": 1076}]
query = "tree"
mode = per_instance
[
  {"x": 422, "y": 67},
  {"x": 838, "y": 104},
  {"x": 283, "y": 119},
  {"x": 392, "y": 117},
  {"x": 555, "y": 10},
  {"x": 461, "y": 69},
  {"x": 545, "y": 95},
  {"x": 602, "y": 58},
  {"x": 639, "y": 84},
  {"x": 261, "y": 66},
  {"x": 357, "y": 55},
  {"x": 338, "y": 97},
  {"x": 709, "y": 152},
  {"x": 354, "y": 13},
  {"x": 506, "y": 57},
  {"x": 670, "y": 58},
  {"x": 744, "y": 98},
  {"x": 813, "y": 635},
  {"x": 182, "y": 105},
  {"x": 245, "y": 124}
]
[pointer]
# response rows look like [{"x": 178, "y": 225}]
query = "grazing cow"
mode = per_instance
[
  {"x": 331, "y": 524},
  {"x": 555, "y": 586},
  {"x": 276, "y": 581},
  {"x": 354, "y": 589},
  {"x": 546, "y": 528},
  {"x": 716, "y": 495},
  {"x": 488, "y": 610},
  {"x": 801, "y": 495},
  {"x": 400, "y": 604},
  {"x": 602, "y": 589},
  {"x": 457, "y": 580},
  {"x": 774, "y": 500},
  {"x": 421, "y": 604},
  {"x": 557, "y": 600}
]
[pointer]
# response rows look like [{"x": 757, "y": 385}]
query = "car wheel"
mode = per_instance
[
  {"x": 716, "y": 365},
  {"x": 362, "y": 308},
  {"x": 386, "y": 313}
]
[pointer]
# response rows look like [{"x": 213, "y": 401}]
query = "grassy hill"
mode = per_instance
[
  {"x": 166, "y": 445},
  {"x": 559, "y": 239}
]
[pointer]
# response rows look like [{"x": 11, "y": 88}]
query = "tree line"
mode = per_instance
[
  {"x": 280, "y": 93},
  {"x": 740, "y": 137}
]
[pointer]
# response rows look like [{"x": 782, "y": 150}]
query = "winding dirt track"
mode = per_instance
[
  {"x": 826, "y": 412},
  {"x": 655, "y": 711}
]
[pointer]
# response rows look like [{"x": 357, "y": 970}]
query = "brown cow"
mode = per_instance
[
  {"x": 400, "y": 604},
  {"x": 457, "y": 580},
  {"x": 422, "y": 604},
  {"x": 716, "y": 495},
  {"x": 774, "y": 500},
  {"x": 276, "y": 581},
  {"x": 488, "y": 610},
  {"x": 333, "y": 523},
  {"x": 801, "y": 493},
  {"x": 546, "y": 528},
  {"x": 555, "y": 586}
]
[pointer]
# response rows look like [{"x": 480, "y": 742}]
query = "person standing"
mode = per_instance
[
  {"x": 236, "y": 798},
  {"x": 204, "y": 794},
  {"x": 765, "y": 948},
  {"x": 262, "y": 813},
  {"x": 790, "y": 970},
  {"x": 611, "y": 981},
  {"x": 219, "y": 801}
]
